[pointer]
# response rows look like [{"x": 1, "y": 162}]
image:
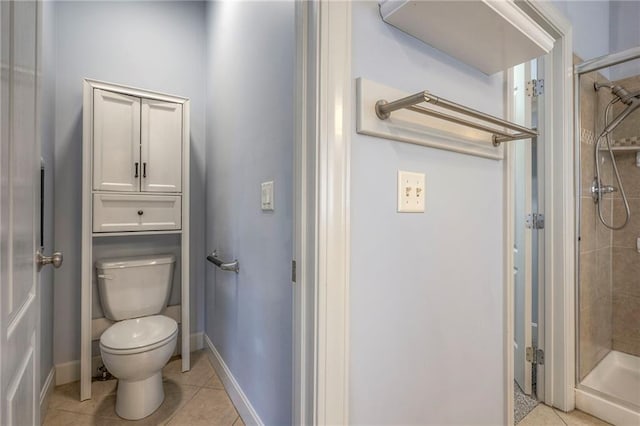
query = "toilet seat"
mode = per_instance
[{"x": 138, "y": 335}]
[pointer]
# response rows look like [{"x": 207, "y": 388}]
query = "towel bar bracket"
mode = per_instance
[{"x": 382, "y": 115}]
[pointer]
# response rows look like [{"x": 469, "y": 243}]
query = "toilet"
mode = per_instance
[{"x": 133, "y": 291}]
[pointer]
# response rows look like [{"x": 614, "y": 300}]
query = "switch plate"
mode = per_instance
[
  {"x": 267, "y": 202},
  {"x": 411, "y": 193}
]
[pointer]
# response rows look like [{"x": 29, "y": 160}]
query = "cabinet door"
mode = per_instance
[
  {"x": 161, "y": 140},
  {"x": 116, "y": 142}
]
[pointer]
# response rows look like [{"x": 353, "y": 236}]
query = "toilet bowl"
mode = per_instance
[
  {"x": 135, "y": 351},
  {"x": 133, "y": 291}
]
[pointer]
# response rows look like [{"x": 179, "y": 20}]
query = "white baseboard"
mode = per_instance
[
  {"x": 197, "y": 341},
  {"x": 69, "y": 372},
  {"x": 240, "y": 400},
  {"x": 45, "y": 393}
]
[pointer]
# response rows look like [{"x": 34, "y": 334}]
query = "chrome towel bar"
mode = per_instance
[
  {"x": 384, "y": 110},
  {"x": 225, "y": 266}
]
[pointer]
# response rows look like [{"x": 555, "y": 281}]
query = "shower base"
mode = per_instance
[{"x": 611, "y": 391}]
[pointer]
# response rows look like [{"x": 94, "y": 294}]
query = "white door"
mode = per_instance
[
  {"x": 19, "y": 175},
  {"x": 161, "y": 146},
  {"x": 522, "y": 250},
  {"x": 116, "y": 142}
]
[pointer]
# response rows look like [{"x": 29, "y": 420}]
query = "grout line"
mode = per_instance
[
  {"x": 561, "y": 419},
  {"x": 71, "y": 412},
  {"x": 173, "y": 415}
]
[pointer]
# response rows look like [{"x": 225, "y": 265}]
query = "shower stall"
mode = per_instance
[{"x": 608, "y": 246}]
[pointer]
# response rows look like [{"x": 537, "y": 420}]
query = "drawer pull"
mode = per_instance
[
  {"x": 136, "y": 175},
  {"x": 140, "y": 212}
]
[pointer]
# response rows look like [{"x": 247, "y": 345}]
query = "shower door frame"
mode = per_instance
[{"x": 586, "y": 67}]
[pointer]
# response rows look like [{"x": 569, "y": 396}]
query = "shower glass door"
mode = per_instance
[{"x": 608, "y": 246}]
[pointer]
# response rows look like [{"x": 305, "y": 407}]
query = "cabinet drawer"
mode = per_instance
[{"x": 118, "y": 213}]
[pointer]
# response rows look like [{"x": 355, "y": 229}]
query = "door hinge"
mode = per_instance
[
  {"x": 535, "y": 88},
  {"x": 534, "y": 221},
  {"x": 293, "y": 271},
  {"x": 535, "y": 355}
]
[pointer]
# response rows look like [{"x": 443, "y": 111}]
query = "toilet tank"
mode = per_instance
[{"x": 134, "y": 287}]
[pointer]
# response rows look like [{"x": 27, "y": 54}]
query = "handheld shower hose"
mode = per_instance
[{"x": 598, "y": 189}]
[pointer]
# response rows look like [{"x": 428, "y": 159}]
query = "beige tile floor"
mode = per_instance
[
  {"x": 197, "y": 397},
  {"x": 544, "y": 415},
  {"x": 194, "y": 398}
]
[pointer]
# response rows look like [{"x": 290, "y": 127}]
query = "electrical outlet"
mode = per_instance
[{"x": 411, "y": 192}]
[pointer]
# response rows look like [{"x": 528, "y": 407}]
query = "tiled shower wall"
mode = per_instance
[
  {"x": 626, "y": 258},
  {"x": 595, "y": 240}
]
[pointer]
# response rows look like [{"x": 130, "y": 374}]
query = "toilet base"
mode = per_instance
[{"x": 138, "y": 399}]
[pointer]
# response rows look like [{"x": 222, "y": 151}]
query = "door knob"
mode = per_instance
[{"x": 55, "y": 259}]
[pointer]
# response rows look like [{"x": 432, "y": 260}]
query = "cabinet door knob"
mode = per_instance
[
  {"x": 140, "y": 212},
  {"x": 136, "y": 175}
]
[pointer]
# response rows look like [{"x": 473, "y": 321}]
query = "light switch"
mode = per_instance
[
  {"x": 267, "y": 202},
  {"x": 411, "y": 193}
]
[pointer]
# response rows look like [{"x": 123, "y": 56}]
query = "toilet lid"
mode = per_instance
[{"x": 138, "y": 332}]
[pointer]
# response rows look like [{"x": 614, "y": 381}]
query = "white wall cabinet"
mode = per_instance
[
  {"x": 135, "y": 182},
  {"x": 137, "y": 143}
]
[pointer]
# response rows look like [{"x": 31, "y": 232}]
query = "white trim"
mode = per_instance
[
  {"x": 560, "y": 233},
  {"x": 332, "y": 223},
  {"x": 185, "y": 294},
  {"x": 86, "y": 258},
  {"x": 243, "y": 405},
  {"x": 559, "y": 230},
  {"x": 45, "y": 393},
  {"x": 559, "y": 203},
  {"x": 134, "y": 91},
  {"x": 303, "y": 386}
]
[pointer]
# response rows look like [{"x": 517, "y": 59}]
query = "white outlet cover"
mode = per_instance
[
  {"x": 411, "y": 192},
  {"x": 267, "y": 202}
]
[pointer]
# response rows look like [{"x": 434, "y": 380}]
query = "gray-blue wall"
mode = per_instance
[
  {"x": 427, "y": 296},
  {"x": 590, "y": 20},
  {"x": 625, "y": 34},
  {"x": 250, "y": 140},
  {"x": 152, "y": 45}
]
